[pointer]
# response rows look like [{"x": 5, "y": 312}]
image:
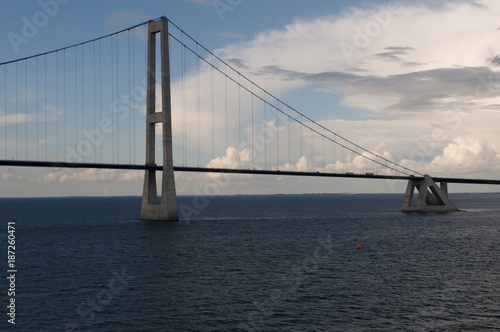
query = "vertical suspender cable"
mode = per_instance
[
  {"x": 132, "y": 114},
  {"x": 57, "y": 106},
  {"x": 334, "y": 153},
  {"x": 16, "y": 114},
  {"x": 26, "y": 104},
  {"x": 300, "y": 134},
  {"x": 112, "y": 105},
  {"x": 76, "y": 101},
  {"x": 289, "y": 142},
  {"x": 265, "y": 131},
  {"x": 225, "y": 97},
  {"x": 239, "y": 121},
  {"x": 46, "y": 111},
  {"x": 197, "y": 107},
  {"x": 364, "y": 163},
  {"x": 212, "y": 105},
  {"x": 277, "y": 136},
  {"x": 94, "y": 96},
  {"x": 323, "y": 150},
  {"x": 5, "y": 110},
  {"x": 183, "y": 64},
  {"x": 184, "y": 143},
  {"x": 312, "y": 149},
  {"x": 83, "y": 105},
  {"x": 64, "y": 102},
  {"x": 116, "y": 109},
  {"x": 129, "y": 102},
  {"x": 253, "y": 150},
  {"x": 37, "y": 105},
  {"x": 146, "y": 50},
  {"x": 343, "y": 158},
  {"x": 100, "y": 94},
  {"x": 353, "y": 161}
]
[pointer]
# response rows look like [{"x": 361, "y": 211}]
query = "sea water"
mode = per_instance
[{"x": 253, "y": 263}]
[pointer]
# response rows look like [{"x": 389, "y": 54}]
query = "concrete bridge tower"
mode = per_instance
[{"x": 166, "y": 207}]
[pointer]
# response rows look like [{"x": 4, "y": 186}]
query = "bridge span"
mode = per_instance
[{"x": 47, "y": 164}]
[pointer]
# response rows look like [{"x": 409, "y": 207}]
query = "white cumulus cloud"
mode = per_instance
[{"x": 467, "y": 157}]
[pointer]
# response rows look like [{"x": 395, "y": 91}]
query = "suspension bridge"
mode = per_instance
[{"x": 85, "y": 105}]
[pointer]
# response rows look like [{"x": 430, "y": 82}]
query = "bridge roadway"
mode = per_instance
[{"x": 237, "y": 171}]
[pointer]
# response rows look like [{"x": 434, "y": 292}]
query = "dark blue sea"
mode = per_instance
[{"x": 253, "y": 263}]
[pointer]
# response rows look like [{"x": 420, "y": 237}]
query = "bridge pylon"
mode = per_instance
[
  {"x": 166, "y": 207},
  {"x": 431, "y": 197}
]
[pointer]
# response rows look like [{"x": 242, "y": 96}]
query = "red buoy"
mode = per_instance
[{"x": 358, "y": 246}]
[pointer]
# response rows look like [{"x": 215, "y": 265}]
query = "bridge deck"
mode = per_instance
[{"x": 238, "y": 171}]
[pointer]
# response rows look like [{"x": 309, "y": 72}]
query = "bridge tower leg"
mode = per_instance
[
  {"x": 166, "y": 208},
  {"x": 431, "y": 197}
]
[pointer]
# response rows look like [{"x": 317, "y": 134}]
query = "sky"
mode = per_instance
[{"x": 414, "y": 81}]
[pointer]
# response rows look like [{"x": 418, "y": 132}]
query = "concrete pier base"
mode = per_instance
[
  {"x": 431, "y": 197},
  {"x": 166, "y": 207}
]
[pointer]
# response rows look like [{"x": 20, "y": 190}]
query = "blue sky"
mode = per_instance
[
  {"x": 83, "y": 20},
  {"x": 413, "y": 81}
]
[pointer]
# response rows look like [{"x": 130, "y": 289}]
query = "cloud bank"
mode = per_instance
[{"x": 420, "y": 82}]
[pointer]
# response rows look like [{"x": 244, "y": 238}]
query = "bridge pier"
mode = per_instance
[
  {"x": 166, "y": 208},
  {"x": 431, "y": 197}
]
